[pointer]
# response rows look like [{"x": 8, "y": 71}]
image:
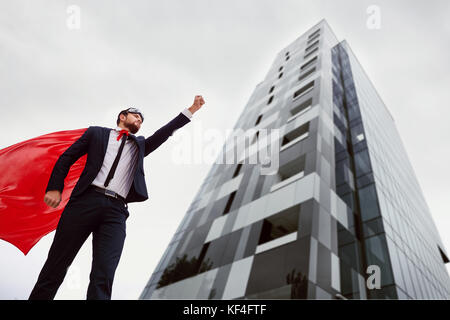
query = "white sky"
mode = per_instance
[{"x": 157, "y": 55}]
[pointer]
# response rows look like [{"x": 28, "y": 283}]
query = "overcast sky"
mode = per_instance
[{"x": 157, "y": 55}]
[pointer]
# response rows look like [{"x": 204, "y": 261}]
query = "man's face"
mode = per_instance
[{"x": 132, "y": 121}]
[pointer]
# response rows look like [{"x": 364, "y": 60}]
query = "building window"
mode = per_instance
[
  {"x": 368, "y": 203},
  {"x": 443, "y": 256},
  {"x": 238, "y": 169},
  {"x": 311, "y": 46},
  {"x": 313, "y": 38},
  {"x": 295, "y": 136},
  {"x": 229, "y": 203},
  {"x": 258, "y": 120},
  {"x": 312, "y": 35},
  {"x": 305, "y": 74},
  {"x": 279, "y": 229},
  {"x": 362, "y": 163},
  {"x": 270, "y": 100},
  {"x": 311, "y": 52},
  {"x": 289, "y": 172},
  {"x": 303, "y": 90},
  {"x": 255, "y": 138},
  {"x": 309, "y": 63},
  {"x": 271, "y": 89},
  {"x": 300, "y": 109},
  {"x": 281, "y": 68},
  {"x": 280, "y": 75}
]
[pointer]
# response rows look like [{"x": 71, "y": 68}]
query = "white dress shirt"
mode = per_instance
[{"x": 124, "y": 174}]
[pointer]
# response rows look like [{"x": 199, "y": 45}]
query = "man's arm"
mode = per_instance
[
  {"x": 162, "y": 134},
  {"x": 65, "y": 161}
]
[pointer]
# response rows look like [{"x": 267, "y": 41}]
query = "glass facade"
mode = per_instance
[{"x": 342, "y": 216}]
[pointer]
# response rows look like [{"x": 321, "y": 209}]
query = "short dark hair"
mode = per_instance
[{"x": 118, "y": 117}]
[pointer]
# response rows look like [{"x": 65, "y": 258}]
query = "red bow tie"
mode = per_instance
[{"x": 121, "y": 133}]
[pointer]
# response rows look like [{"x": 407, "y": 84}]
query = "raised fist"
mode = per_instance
[{"x": 198, "y": 102}]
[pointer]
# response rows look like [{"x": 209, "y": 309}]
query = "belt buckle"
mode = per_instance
[{"x": 110, "y": 193}]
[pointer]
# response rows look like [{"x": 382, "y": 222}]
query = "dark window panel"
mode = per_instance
[
  {"x": 368, "y": 203},
  {"x": 280, "y": 224},
  {"x": 377, "y": 254},
  {"x": 362, "y": 163},
  {"x": 311, "y": 46},
  {"x": 309, "y": 63},
  {"x": 229, "y": 203},
  {"x": 259, "y": 119},
  {"x": 312, "y": 35},
  {"x": 311, "y": 52},
  {"x": 291, "y": 168},
  {"x": 238, "y": 168},
  {"x": 296, "y": 133},
  {"x": 306, "y": 74},
  {"x": 304, "y": 89},
  {"x": 316, "y": 36},
  {"x": 300, "y": 107},
  {"x": 268, "y": 271}
]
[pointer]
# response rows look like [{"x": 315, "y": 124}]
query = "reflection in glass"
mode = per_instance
[
  {"x": 183, "y": 268},
  {"x": 377, "y": 254},
  {"x": 299, "y": 284},
  {"x": 362, "y": 163},
  {"x": 368, "y": 203}
]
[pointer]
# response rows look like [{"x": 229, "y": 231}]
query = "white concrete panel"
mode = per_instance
[
  {"x": 280, "y": 199},
  {"x": 257, "y": 209},
  {"x": 238, "y": 278},
  {"x": 307, "y": 116},
  {"x": 333, "y": 199},
  {"x": 325, "y": 228},
  {"x": 312, "y": 274},
  {"x": 341, "y": 208},
  {"x": 229, "y": 186},
  {"x": 304, "y": 188},
  {"x": 276, "y": 242},
  {"x": 335, "y": 272},
  {"x": 216, "y": 228}
]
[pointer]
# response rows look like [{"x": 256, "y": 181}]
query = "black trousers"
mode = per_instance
[{"x": 92, "y": 212}]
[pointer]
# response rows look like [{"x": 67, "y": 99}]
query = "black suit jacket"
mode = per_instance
[{"x": 94, "y": 142}]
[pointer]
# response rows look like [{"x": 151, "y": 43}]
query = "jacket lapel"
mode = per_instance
[
  {"x": 139, "y": 144},
  {"x": 105, "y": 140}
]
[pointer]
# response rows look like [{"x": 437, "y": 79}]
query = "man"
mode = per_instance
[{"x": 112, "y": 177}]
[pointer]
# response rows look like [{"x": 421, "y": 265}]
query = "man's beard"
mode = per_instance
[{"x": 132, "y": 127}]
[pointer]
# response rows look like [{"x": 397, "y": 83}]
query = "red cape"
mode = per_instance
[{"x": 25, "y": 171}]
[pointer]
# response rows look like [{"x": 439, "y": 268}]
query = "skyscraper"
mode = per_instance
[{"x": 340, "y": 215}]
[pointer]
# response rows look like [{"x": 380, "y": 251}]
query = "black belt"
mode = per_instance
[{"x": 108, "y": 193}]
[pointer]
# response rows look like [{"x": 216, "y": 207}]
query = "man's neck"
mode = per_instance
[{"x": 122, "y": 127}]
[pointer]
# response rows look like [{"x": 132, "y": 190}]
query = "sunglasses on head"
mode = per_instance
[{"x": 136, "y": 110}]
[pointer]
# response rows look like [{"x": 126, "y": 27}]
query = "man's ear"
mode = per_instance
[{"x": 123, "y": 117}]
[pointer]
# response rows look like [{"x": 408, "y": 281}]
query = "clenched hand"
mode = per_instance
[
  {"x": 52, "y": 198},
  {"x": 198, "y": 102}
]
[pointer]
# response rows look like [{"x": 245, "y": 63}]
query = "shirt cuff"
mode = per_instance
[{"x": 187, "y": 113}]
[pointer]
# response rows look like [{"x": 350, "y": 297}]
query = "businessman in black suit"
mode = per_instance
[{"x": 112, "y": 177}]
